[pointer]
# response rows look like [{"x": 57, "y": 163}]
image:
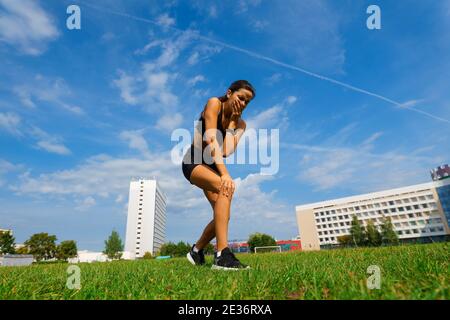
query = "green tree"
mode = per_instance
[
  {"x": 175, "y": 250},
  {"x": 113, "y": 246},
  {"x": 373, "y": 235},
  {"x": 42, "y": 246},
  {"x": 260, "y": 240},
  {"x": 6, "y": 242},
  {"x": 182, "y": 249},
  {"x": 147, "y": 256},
  {"x": 357, "y": 232},
  {"x": 168, "y": 249},
  {"x": 388, "y": 235},
  {"x": 66, "y": 249},
  {"x": 345, "y": 240},
  {"x": 23, "y": 250}
]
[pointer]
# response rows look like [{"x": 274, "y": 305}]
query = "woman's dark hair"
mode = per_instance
[{"x": 239, "y": 84}]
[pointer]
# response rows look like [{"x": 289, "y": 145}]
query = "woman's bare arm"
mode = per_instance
[
  {"x": 210, "y": 114},
  {"x": 232, "y": 139}
]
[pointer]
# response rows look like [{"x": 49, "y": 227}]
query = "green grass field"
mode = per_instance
[{"x": 407, "y": 272}]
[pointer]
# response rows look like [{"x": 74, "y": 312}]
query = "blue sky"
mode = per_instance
[{"x": 83, "y": 111}]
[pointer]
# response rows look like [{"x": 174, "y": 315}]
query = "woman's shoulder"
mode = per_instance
[
  {"x": 214, "y": 101},
  {"x": 213, "y": 104}
]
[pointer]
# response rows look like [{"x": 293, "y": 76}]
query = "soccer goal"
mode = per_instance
[{"x": 268, "y": 249}]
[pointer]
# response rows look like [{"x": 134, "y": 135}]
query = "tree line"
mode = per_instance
[
  {"x": 370, "y": 235},
  {"x": 181, "y": 248},
  {"x": 41, "y": 245}
]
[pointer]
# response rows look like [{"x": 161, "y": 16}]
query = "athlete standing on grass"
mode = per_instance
[{"x": 221, "y": 129}]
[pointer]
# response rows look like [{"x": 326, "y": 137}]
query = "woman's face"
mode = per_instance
[{"x": 240, "y": 98}]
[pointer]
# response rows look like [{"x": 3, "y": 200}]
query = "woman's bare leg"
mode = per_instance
[
  {"x": 209, "y": 232},
  {"x": 208, "y": 180}
]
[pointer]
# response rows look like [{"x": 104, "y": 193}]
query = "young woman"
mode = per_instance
[{"x": 219, "y": 130}]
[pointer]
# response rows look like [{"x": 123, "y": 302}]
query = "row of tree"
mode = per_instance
[
  {"x": 181, "y": 248},
  {"x": 41, "y": 245},
  {"x": 369, "y": 235}
]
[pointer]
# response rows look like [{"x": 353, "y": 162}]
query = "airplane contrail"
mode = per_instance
[{"x": 274, "y": 61}]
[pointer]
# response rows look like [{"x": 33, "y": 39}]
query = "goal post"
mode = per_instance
[{"x": 268, "y": 249}]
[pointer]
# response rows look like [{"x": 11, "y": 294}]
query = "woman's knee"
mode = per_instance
[{"x": 226, "y": 191}]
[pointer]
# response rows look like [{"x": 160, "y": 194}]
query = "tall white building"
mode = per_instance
[
  {"x": 416, "y": 212},
  {"x": 146, "y": 222}
]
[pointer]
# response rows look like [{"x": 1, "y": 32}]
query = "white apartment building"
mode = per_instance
[
  {"x": 146, "y": 220},
  {"x": 416, "y": 211}
]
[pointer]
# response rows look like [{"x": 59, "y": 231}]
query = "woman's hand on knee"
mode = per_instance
[{"x": 227, "y": 185}]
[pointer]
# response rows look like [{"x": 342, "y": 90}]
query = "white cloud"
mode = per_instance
[
  {"x": 108, "y": 36},
  {"x": 154, "y": 87},
  {"x": 25, "y": 25},
  {"x": 85, "y": 204},
  {"x": 372, "y": 138},
  {"x": 194, "y": 58},
  {"x": 5, "y": 168},
  {"x": 276, "y": 77},
  {"x": 120, "y": 199},
  {"x": 359, "y": 168},
  {"x": 54, "y": 91},
  {"x": 169, "y": 122},
  {"x": 53, "y": 147},
  {"x": 101, "y": 175},
  {"x": 245, "y": 5},
  {"x": 47, "y": 142},
  {"x": 198, "y": 78},
  {"x": 411, "y": 103},
  {"x": 273, "y": 117},
  {"x": 24, "y": 97},
  {"x": 165, "y": 21},
  {"x": 171, "y": 48},
  {"x": 136, "y": 141},
  {"x": 254, "y": 210},
  {"x": 148, "y": 46},
  {"x": 202, "y": 53},
  {"x": 10, "y": 122},
  {"x": 125, "y": 84},
  {"x": 259, "y": 25}
]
